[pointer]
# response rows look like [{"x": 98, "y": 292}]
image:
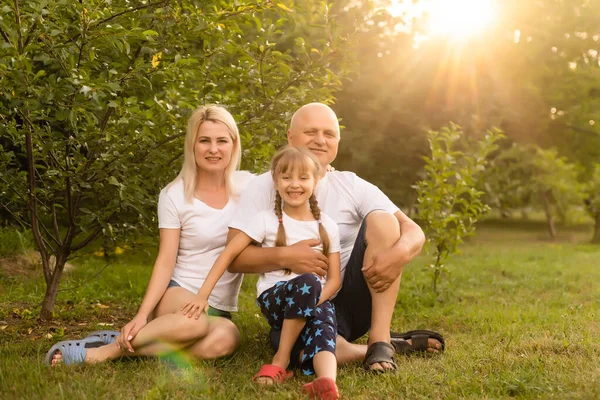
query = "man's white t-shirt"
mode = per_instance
[
  {"x": 202, "y": 239},
  {"x": 343, "y": 196},
  {"x": 262, "y": 228}
]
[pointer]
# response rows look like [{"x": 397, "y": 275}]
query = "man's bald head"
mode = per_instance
[
  {"x": 314, "y": 109},
  {"x": 316, "y": 127}
]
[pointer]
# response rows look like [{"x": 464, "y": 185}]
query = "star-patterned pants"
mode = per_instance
[{"x": 298, "y": 298}]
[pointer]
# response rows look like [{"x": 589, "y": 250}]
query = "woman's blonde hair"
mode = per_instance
[
  {"x": 287, "y": 160},
  {"x": 189, "y": 170}
]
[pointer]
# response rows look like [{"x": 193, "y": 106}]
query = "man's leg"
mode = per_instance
[
  {"x": 353, "y": 305},
  {"x": 358, "y": 308},
  {"x": 383, "y": 231}
]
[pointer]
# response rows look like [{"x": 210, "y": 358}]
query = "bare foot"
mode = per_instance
[
  {"x": 93, "y": 355},
  {"x": 433, "y": 346},
  {"x": 278, "y": 361}
]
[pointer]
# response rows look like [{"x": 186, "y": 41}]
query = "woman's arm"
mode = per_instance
[
  {"x": 232, "y": 250},
  {"x": 161, "y": 274},
  {"x": 334, "y": 278},
  {"x": 162, "y": 271}
]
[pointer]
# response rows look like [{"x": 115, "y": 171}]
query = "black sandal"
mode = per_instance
[
  {"x": 380, "y": 352},
  {"x": 419, "y": 340}
]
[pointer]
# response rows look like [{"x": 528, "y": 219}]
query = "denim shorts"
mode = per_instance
[{"x": 213, "y": 312}]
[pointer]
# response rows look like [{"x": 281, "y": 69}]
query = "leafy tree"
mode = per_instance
[
  {"x": 449, "y": 203},
  {"x": 592, "y": 200},
  {"x": 94, "y": 97},
  {"x": 507, "y": 181},
  {"x": 555, "y": 183}
]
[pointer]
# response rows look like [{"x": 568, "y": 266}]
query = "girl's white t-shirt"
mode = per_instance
[
  {"x": 202, "y": 239},
  {"x": 342, "y": 195},
  {"x": 262, "y": 228}
]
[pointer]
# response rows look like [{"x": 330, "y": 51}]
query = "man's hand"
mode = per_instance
[
  {"x": 383, "y": 270},
  {"x": 300, "y": 258}
]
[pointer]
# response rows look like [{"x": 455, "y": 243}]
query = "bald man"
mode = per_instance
[{"x": 377, "y": 240}]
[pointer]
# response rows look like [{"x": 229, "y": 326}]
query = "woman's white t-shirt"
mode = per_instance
[
  {"x": 262, "y": 228},
  {"x": 342, "y": 195},
  {"x": 202, "y": 239}
]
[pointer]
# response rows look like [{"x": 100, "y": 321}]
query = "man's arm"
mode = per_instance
[
  {"x": 412, "y": 239},
  {"x": 299, "y": 258}
]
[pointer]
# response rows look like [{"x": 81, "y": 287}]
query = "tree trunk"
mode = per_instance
[
  {"x": 51, "y": 291},
  {"x": 596, "y": 239},
  {"x": 549, "y": 217}
]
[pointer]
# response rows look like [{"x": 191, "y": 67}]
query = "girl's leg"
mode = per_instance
[
  {"x": 289, "y": 334},
  {"x": 286, "y": 306},
  {"x": 320, "y": 338},
  {"x": 321, "y": 335}
]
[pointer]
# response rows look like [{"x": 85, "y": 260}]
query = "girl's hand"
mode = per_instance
[
  {"x": 129, "y": 331},
  {"x": 196, "y": 307}
]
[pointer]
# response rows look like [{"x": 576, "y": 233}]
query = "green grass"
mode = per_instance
[{"x": 521, "y": 317}]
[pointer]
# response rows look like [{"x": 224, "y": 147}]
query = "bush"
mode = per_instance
[{"x": 14, "y": 241}]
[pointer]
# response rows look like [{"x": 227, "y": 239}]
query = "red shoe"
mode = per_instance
[
  {"x": 274, "y": 372},
  {"x": 323, "y": 388}
]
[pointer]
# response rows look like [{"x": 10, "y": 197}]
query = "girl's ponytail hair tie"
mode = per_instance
[{"x": 280, "y": 220}]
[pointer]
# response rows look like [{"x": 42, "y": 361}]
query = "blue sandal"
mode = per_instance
[
  {"x": 73, "y": 351},
  {"x": 107, "y": 337}
]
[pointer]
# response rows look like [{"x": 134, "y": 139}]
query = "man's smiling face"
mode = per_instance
[{"x": 315, "y": 127}]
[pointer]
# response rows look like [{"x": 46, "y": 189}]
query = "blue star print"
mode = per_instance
[
  {"x": 318, "y": 332},
  {"x": 305, "y": 289},
  {"x": 267, "y": 304},
  {"x": 290, "y": 286},
  {"x": 290, "y": 302},
  {"x": 308, "y": 340},
  {"x": 274, "y": 316},
  {"x": 331, "y": 343},
  {"x": 307, "y": 312},
  {"x": 277, "y": 300}
]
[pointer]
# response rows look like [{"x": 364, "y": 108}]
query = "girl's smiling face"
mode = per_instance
[{"x": 295, "y": 186}]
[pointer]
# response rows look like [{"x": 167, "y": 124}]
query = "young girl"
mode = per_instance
[{"x": 298, "y": 305}]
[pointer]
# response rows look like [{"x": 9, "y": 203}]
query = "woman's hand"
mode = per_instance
[
  {"x": 196, "y": 307},
  {"x": 129, "y": 331}
]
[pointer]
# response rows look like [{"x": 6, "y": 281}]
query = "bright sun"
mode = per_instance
[{"x": 456, "y": 19}]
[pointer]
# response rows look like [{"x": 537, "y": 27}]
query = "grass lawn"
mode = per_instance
[{"x": 521, "y": 318}]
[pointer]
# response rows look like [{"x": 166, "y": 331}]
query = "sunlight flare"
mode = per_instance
[
  {"x": 453, "y": 19},
  {"x": 460, "y": 18}
]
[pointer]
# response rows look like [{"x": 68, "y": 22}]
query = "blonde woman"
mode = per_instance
[{"x": 193, "y": 212}]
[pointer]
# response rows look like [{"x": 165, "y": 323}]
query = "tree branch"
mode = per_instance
[
  {"x": 105, "y": 20},
  {"x": 88, "y": 239},
  {"x": 5, "y": 36},
  {"x": 30, "y": 34},
  {"x": 16, "y": 217},
  {"x": 18, "y": 21},
  {"x": 35, "y": 227},
  {"x": 55, "y": 221}
]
